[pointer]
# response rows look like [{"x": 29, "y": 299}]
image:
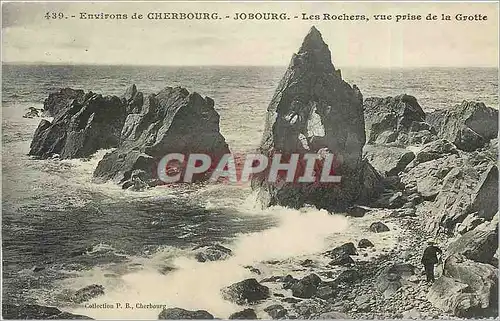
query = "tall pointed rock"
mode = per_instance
[{"x": 314, "y": 111}]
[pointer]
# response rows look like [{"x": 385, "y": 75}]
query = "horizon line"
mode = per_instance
[{"x": 43, "y": 63}]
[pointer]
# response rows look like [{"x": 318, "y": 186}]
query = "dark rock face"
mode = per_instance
[
  {"x": 306, "y": 287},
  {"x": 314, "y": 111},
  {"x": 469, "y": 125},
  {"x": 87, "y": 293},
  {"x": 247, "y": 314},
  {"x": 36, "y": 312},
  {"x": 342, "y": 259},
  {"x": 182, "y": 314},
  {"x": 365, "y": 243},
  {"x": 32, "y": 113},
  {"x": 60, "y": 101},
  {"x": 479, "y": 244},
  {"x": 245, "y": 292},
  {"x": 398, "y": 120},
  {"x": 80, "y": 129},
  {"x": 172, "y": 121},
  {"x": 387, "y": 160},
  {"x": 378, "y": 227},
  {"x": 214, "y": 252}
]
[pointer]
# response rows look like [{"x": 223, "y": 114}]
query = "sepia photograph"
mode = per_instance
[{"x": 249, "y": 160}]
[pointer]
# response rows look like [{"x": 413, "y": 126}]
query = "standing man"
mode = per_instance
[{"x": 429, "y": 259}]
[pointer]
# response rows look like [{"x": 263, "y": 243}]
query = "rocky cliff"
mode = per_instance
[
  {"x": 171, "y": 121},
  {"x": 314, "y": 111},
  {"x": 81, "y": 126}
]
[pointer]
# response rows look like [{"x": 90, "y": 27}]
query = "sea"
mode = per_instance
[{"x": 61, "y": 232}]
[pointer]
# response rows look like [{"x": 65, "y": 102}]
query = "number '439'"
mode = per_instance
[{"x": 54, "y": 15}]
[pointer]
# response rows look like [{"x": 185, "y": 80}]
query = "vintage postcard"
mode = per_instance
[{"x": 249, "y": 160}]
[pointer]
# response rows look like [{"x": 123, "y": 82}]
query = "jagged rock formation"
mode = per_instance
[
  {"x": 396, "y": 120},
  {"x": 60, "y": 101},
  {"x": 183, "y": 314},
  {"x": 171, "y": 121},
  {"x": 314, "y": 111},
  {"x": 389, "y": 161},
  {"x": 83, "y": 124},
  {"x": 34, "y": 311},
  {"x": 469, "y": 125}
]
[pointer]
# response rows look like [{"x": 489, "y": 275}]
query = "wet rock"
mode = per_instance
[
  {"x": 275, "y": 278},
  {"x": 307, "y": 262},
  {"x": 306, "y": 287},
  {"x": 365, "y": 243},
  {"x": 342, "y": 259},
  {"x": 36, "y": 312},
  {"x": 378, "y": 227},
  {"x": 469, "y": 125},
  {"x": 291, "y": 300},
  {"x": 182, "y": 314},
  {"x": 303, "y": 117},
  {"x": 59, "y": 102},
  {"x": 87, "y": 293},
  {"x": 247, "y": 314},
  {"x": 276, "y": 311},
  {"x": 164, "y": 126},
  {"x": 479, "y": 244},
  {"x": 387, "y": 160},
  {"x": 371, "y": 187},
  {"x": 344, "y": 249},
  {"x": 32, "y": 113},
  {"x": 136, "y": 182},
  {"x": 357, "y": 211},
  {"x": 398, "y": 120},
  {"x": 81, "y": 129},
  {"x": 289, "y": 281},
  {"x": 211, "y": 252},
  {"x": 252, "y": 269},
  {"x": 245, "y": 292}
]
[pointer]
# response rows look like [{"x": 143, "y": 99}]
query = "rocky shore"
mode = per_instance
[{"x": 407, "y": 175}]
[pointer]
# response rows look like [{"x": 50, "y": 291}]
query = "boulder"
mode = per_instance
[
  {"x": 306, "y": 287},
  {"x": 165, "y": 125},
  {"x": 396, "y": 120},
  {"x": 390, "y": 278},
  {"x": 342, "y": 259},
  {"x": 87, "y": 293},
  {"x": 390, "y": 199},
  {"x": 378, "y": 227},
  {"x": 314, "y": 111},
  {"x": 248, "y": 291},
  {"x": 247, "y": 314},
  {"x": 182, "y": 314},
  {"x": 276, "y": 311},
  {"x": 59, "y": 102},
  {"x": 464, "y": 191},
  {"x": 32, "y": 113},
  {"x": 372, "y": 185},
  {"x": 470, "y": 125},
  {"x": 347, "y": 277},
  {"x": 434, "y": 150},
  {"x": 342, "y": 250},
  {"x": 212, "y": 252},
  {"x": 36, "y": 312},
  {"x": 468, "y": 288},
  {"x": 469, "y": 223},
  {"x": 387, "y": 160},
  {"x": 479, "y": 244},
  {"x": 365, "y": 243},
  {"x": 81, "y": 129},
  {"x": 453, "y": 297}
]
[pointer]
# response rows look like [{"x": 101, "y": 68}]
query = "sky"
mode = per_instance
[{"x": 28, "y": 37}]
